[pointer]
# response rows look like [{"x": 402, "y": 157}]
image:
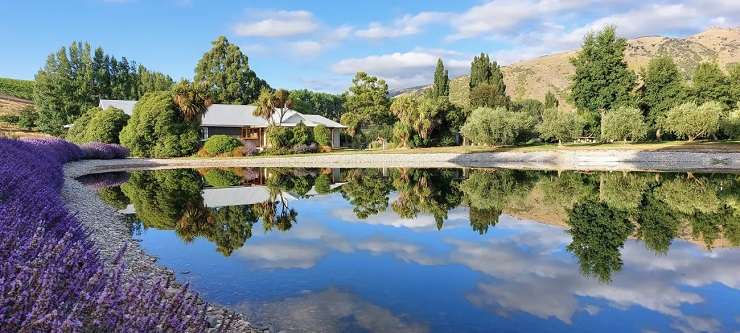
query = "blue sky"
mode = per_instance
[{"x": 320, "y": 44}]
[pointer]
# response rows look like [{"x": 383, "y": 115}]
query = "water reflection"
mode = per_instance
[{"x": 450, "y": 250}]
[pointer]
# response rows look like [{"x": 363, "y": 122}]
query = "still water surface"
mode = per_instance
[{"x": 430, "y": 250}]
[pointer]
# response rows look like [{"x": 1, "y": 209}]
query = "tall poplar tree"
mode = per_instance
[
  {"x": 441, "y": 85},
  {"x": 226, "y": 69},
  {"x": 709, "y": 83},
  {"x": 663, "y": 87}
]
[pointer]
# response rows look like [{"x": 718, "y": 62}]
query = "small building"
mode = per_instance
[{"x": 239, "y": 121}]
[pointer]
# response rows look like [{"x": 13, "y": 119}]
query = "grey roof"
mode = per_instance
[{"x": 236, "y": 115}]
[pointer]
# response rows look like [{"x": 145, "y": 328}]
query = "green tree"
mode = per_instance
[
  {"x": 488, "y": 192},
  {"x": 623, "y": 124},
  {"x": 486, "y": 126},
  {"x": 322, "y": 184},
  {"x": 441, "y": 86},
  {"x": 709, "y": 83},
  {"x": 691, "y": 121},
  {"x": 158, "y": 129},
  {"x": 311, "y": 102},
  {"x": 602, "y": 80},
  {"x": 730, "y": 125},
  {"x": 733, "y": 76},
  {"x": 487, "y": 86},
  {"x": 73, "y": 80},
  {"x": 367, "y": 100},
  {"x": 551, "y": 101},
  {"x": 663, "y": 88},
  {"x": 560, "y": 126},
  {"x": 152, "y": 81},
  {"x": 598, "y": 233},
  {"x": 623, "y": 191},
  {"x": 28, "y": 118},
  {"x": 426, "y": 191},
  {"x": 226, "y": 70}
]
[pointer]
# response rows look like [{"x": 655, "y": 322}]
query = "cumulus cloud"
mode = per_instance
[
  {"x": 281, "y": 23},
  {"x": 404, "y": 26},
  {"x": 402, "y": 69}
]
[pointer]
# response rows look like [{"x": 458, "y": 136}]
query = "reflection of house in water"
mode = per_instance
[{"x": 251, "y": 194}]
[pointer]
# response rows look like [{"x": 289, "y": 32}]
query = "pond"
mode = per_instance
[{"x": 446, "y": 250}]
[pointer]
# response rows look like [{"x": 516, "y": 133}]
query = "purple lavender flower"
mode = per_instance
[{"x": 51, "y": 277}]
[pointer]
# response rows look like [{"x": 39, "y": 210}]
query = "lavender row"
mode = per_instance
[{"x": 51, "y": 276}]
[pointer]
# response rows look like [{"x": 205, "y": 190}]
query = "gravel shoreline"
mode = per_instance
[{"x": 110, "y": 233}]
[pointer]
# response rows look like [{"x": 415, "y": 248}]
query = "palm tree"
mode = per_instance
[
  {"x": 192, "y": 99},
  {"x": 265, "y": 106}
]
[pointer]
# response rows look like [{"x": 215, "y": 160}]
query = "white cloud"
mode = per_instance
[
  {"x": 282, "y": 23},
  {"x": 308, "y": 48},
  {"x": 401, "y": 69},
  {"x": 404, "y": 26}
]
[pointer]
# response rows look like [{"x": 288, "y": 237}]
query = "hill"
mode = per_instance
[{"x": 535, "y": 77}]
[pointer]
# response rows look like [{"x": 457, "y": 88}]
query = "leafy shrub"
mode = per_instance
[
  {"x": 691, "y": 121},
  {"x": 248, "y": 149},
  {"x": 495, "y": 126},
  {"x": 623, "y": 124},
  {"x": 157, "y": 129},
  {"x": 279, "y": 137},
  {"x": 98, "y": 125},
  {"x": 221, "y": 177},
  {"x": 53, "y": 278},
  {"x": 731, "y": 124},
  {"x": 322, "y": 135},
  {"x": 560, "y": 126},
  {"x": 27, "y": 118},
  {"x": 221, "y": 144},
  {"x": 16, "y": 88},
  {"x": 302, "y": 135},
  {"x": 104, "y": 151},
  {"x": 302, "y": 148}
]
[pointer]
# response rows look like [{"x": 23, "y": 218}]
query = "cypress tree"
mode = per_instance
[
  {"x": 551, "y": 101},
  {"x": 441, "y": 85},
  {"x": 487, "y": 87}
]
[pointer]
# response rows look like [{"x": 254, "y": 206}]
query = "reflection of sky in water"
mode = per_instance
[{"x": 333, "y": 272}]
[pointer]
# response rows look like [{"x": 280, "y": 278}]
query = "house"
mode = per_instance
[{"x": 239, "y": 121}]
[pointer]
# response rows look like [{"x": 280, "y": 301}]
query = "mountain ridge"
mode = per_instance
[{"x": 533, "y": 78}]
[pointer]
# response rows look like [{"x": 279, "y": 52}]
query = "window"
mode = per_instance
[
  {"x": 204, "y": 133},
  {"x": 250, "y": 133}
]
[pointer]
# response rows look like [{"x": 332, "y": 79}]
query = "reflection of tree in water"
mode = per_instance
[
  {"x": 598, "y": 233},
  {"x": 488, "y": 192},
  {"x": 426, "y": 191},
  {"x": 367, "y": 191},
  {"x": 114, "y": 197}
]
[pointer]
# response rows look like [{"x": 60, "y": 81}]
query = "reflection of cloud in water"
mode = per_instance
[
  {"x": 329, "y": 311},
  {"x": 404, "y": 251},
  {"x": 302, "y": 247},
  {"x": 282, "y": 255},
  {"x": 548, "y": 285},
  {"x": 529, "y": 271},
  {"x": 423, "y": 221}
]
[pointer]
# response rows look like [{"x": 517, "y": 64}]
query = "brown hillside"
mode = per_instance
[{"x": 533, "y": 78}]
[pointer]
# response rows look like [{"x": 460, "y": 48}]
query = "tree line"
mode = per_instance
[{"x": 613, "y": 104}]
